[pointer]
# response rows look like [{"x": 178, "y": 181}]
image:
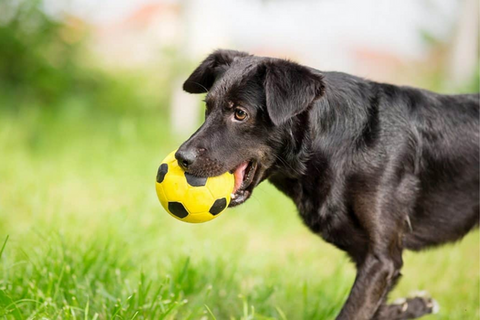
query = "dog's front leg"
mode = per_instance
[
  {"x": 375, "y": 277},
  {"x": 380, "y": 212}
]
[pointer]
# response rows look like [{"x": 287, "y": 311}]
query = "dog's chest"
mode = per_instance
[{"x": 323, "y": 212}]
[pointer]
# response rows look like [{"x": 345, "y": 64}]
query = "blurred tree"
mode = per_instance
[
  {"x": 38, "y": 55},
  {"x": 45, "y": 63}
]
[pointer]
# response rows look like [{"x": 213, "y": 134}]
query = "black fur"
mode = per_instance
[{"x": 373, "y": 168}]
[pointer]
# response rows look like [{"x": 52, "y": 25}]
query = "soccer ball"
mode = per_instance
[{"x": 189, "y": 198}]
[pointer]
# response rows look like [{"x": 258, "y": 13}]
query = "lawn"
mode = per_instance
[{"x": 88, "y": 239}]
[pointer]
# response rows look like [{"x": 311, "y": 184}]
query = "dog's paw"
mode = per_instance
[
  {"x": 401, "y": 303},
  {"x": 431, "y": 303},
  {"x": 419, "y": 306},
  {"x": 411, "y": 308},
  {"x": 435, "y": 306}
]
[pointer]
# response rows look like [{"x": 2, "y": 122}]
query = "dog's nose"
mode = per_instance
[{"x": 185, "y": 158}]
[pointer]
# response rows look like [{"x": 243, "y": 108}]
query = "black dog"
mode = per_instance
[{"x": 373, "y": 168}]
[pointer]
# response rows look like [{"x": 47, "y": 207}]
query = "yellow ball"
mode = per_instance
[{"x": 189, "y": 198}]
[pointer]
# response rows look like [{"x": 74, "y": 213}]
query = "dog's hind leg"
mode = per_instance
[{"x": 410, "y": 308}]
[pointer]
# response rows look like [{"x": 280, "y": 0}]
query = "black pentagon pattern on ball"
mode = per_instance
[
  {"x": 162, "y": 171},
  {"x": 218, "y": 206},
  {"x": 177, "y": 209},
  {"x": 195, "y": 181}
]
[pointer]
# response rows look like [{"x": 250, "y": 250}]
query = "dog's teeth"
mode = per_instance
[{"x": 232, "y": 196}]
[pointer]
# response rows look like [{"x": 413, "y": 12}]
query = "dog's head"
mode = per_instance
[{"x": 251, "y": 104}]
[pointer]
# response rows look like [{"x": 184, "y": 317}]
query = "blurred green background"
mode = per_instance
[{"x": 82, "y": 235}]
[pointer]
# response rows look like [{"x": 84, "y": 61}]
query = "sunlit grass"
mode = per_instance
[{"x": 89, "y": 240}]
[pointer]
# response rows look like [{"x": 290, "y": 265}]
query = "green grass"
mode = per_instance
[{"x": 82, "y": 236}]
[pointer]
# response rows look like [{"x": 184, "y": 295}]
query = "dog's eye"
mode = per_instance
[{"x": 240, "y": 115}]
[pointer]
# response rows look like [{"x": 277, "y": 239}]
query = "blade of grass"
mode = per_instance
[
  {"x": 280, "y": 313},
  {"x": 86, "y": 309},
  {"x": 210, "y": 312},
  {"x": 4, "y": 245}
]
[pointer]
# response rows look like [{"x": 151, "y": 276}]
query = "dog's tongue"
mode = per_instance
[{"x": 239, "y": 174}]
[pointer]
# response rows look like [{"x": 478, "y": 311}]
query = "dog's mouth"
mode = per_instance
[{"x": 244, "y": 174}]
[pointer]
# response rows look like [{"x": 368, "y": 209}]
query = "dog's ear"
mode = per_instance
[
  {"x": 202, "y": 79},
  {"x": 290, "y": 89}
]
